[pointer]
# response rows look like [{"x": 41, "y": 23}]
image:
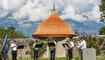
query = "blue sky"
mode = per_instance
[{"x": 26, "y": 13}]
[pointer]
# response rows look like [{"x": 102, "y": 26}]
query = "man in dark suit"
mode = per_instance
[{"x": 52, "y": 48}]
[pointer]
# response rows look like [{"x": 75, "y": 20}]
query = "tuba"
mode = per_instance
[{"x": 50, "y": 40}]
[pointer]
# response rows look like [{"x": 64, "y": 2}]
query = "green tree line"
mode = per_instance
[{"x": 11, "y": 32}]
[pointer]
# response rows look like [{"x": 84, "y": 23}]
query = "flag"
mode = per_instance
[
  {"x": 0, "y": 48},
  {"x": 6, "y": 45}
]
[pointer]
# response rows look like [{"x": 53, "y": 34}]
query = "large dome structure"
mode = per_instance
[{"x": 54, "y": 26}]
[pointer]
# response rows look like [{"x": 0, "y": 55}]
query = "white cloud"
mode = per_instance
[
  {"x": 3, "y": 8},
  {"x": 4, "y": 4},
  {"x": 70, "y": 13},
  {"x": 9, "y": 5},
  {"x": 3, "y": 13},
  {"x": 94, "y": 14},
  {"x": 35, "y": 10},
  {"x": 13, "y": 4},
  {"x": 78, "y": 8},
  {"x": 27, "y": 25}
]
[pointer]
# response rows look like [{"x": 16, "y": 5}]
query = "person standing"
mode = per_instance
[
  {"x": 81, "y": 46},
  {"x": 14, "y": 50},
  {"x": 35, "y": 50},
  {"x": 70, "y": 50},
  {"x": 81, "y": 43},
  {"x": 53, "y": 51},
  {"x": 52, "y": 48}
]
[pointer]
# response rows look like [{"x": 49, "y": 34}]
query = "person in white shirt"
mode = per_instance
[
  {"x": 14, "y": 50},
  {"x": 82, "y": 43},
  {"x": 71, "y": 43},
  {"x": 35, "y": 50},
  {"x": 70, "y": 50}
]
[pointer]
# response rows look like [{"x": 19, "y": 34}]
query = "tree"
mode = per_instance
[
  {"x": 93, "y": 41},
  {"x": 11, "y": 33},
  {"x": 12, "y": 29},
  {"x": 102, "y": 31},
  {"x": 102, "y": 9}
]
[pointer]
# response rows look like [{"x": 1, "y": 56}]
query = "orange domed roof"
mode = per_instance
[{"x": 54, "y": 26}]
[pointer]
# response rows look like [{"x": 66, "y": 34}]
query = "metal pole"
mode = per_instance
[
  {"x": 21, "y": 56},
  {"x": 27, "y": 56}
]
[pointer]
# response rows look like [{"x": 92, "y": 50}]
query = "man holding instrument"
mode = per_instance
[
  {"x": 81, "y": 46},
  {"x": 69, "y": 47},
  {"x": 14, "y": 50},
  {"x": 52, "y": 45},
  {"x": 35, "y": 50},
  {"x": 70, "y": 50}
]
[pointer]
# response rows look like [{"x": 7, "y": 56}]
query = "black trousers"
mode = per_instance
[
  {"x": 35, "y": 54},
  {"x": 14, "y": 55},
  {"x": 52, "y": 57},
  {"x": 70, "y": 55}
]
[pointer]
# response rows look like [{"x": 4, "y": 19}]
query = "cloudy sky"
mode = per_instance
[
  {"x": 23, "y": 12},
  {"x": 35, "y": 10}
]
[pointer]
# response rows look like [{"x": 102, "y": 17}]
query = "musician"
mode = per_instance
[
  {"x": 82, "y": 45},
  {"x": 52, "y": 48},
  {"x": 70, "y": 50},
  {"x": 14, "y": 50},
  {"x": 71, "y": 43},
  {"x": 35, "y": 50}
]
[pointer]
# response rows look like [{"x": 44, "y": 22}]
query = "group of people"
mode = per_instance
[
  {"x": 52, "y": 45},
  {"x": 70, "y": 44},
  {"x": 81, "y": 45}
]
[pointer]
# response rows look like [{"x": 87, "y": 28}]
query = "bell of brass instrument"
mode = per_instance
[{"x": 52, "y": 47}]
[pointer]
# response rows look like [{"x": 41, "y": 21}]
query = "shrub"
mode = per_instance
[
  {"x": 95, "y": 42},
  {"x": 41, "y": 50}
]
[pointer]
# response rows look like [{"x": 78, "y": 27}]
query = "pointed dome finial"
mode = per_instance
[{"x": 53, "y": 6}]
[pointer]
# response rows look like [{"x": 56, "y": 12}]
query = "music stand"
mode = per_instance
[
  {"x": 38, "y": 45},
  {"x": 64, "y": 44},
  {"x": 20, "y": 47},
  {"x": 51, "y": 44}
]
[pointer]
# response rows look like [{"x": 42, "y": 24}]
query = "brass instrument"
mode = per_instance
[
  {"x": 68, "y": 43},
  {"x": 52, "y": 47},
  {"x": 50, "y": 40}
]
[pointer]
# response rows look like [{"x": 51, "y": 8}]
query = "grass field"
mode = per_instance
[{"x": 59, "y": 58}]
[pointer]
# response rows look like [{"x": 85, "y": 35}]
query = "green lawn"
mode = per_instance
[{"x": 59, "y": 58}]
